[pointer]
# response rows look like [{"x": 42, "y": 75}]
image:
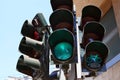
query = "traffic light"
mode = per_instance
[
  {"x": 27, "y": 65},
  {"x": 96, "y": 52},
  {"x": 62, "y": 47},
  {"x": 92, "y": 31},
  {"x": 40, "y": 23},
  {"x": 30, "y": 31},
  {"x": 95, "y": 55},
  {"x": 62, "y": 18},
  {"x": 89, "y": 13},
  {"x": 62, "y": 39},
  {"x": 32, "y": 46},
  {"x": 32, "y": 43}
]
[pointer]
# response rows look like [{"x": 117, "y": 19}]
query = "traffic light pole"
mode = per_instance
[{"x": 78, "y": 65}]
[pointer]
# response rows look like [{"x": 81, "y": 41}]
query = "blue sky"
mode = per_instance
[{"x": 12, "y": 15}]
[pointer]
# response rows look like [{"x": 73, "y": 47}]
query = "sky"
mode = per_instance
[{"x": 13, "y": 13}]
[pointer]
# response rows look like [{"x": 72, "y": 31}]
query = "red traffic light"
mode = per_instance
[{"x": 29, "y": 31}]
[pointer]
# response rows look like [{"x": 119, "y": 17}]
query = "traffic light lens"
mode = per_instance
[
  {"x": 63, "y": 51},
  {"x": 93, "y": 61},
  {"x": 36, "y": 35},
  {"x": 94, "y": 58}
]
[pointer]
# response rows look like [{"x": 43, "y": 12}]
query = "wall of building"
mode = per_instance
[
  {"x": 113, "y": 73},
  {"x": 116, "y": 6},
  {"x": 111, "y": 38}
]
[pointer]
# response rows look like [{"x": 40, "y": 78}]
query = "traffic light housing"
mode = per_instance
[
  {"x": 30, "y": 31},
  {"x": 62, "y": 47},
  {"x": 31, "y": 47},
  {"x": 62, "y": 39},
  {"x": 95, "y": 55},
  {"x": 28, "y": 65},
  {"x": 32, "y": 42},
  {"x": 58, "y": 4},
  {"x": 96, "y": 52},
  {"x": 61, "y": 18},
  {"x": 89, "y": 13},
  {"x": 92, "y": 31}
]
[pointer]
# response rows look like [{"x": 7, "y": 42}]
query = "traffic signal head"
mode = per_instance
[
  {"x": 29, "y": 31},
  {"x": 61, "y": 18},
  {"x": 27, "y": 65},
  {"x": 89, "y": 13},
  {"x": 92, "y": 31},
  {"x": 61, "y": 42},
  {"x": 57, "y": 4},
  {"x": 95, "y": 55}
]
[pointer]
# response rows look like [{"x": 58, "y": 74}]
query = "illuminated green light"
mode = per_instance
[
  {"x": 94, "y": 61},
  {"x": 63, "y": 51}
]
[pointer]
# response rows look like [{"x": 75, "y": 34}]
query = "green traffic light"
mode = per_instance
[
  {"x": 94, "y": 58},
  {"x": 94, "y": 61},
  {"x": 63, "y": 51},
  {"x": 61, "y": 42}
]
